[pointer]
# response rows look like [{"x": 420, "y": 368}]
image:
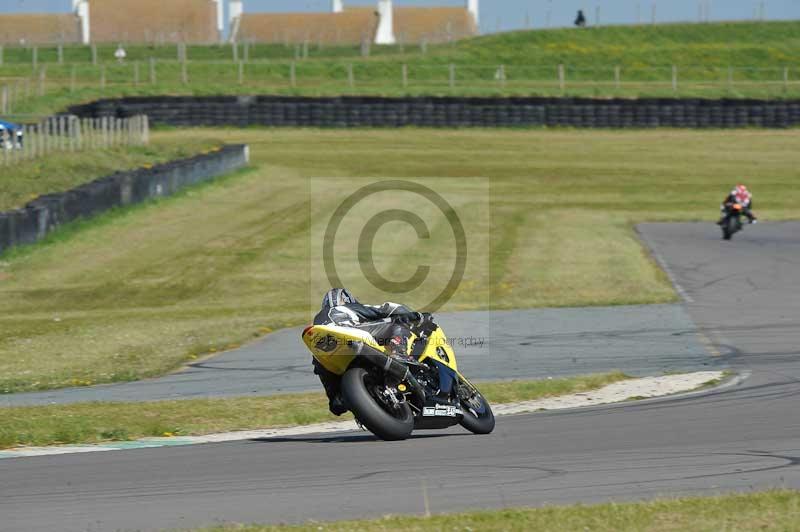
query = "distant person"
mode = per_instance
[
  {"x": 741, "y": 196},
  {"x": 580, "y": 20}
]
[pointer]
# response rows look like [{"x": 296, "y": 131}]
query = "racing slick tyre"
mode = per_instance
[
  {"x": 386, "y": 421},
  {"x": 478, "y": 417}
]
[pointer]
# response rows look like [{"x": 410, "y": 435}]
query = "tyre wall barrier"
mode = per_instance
[
  {"x": 343, "y": 112},
  {"x": 45, "y": 213}
]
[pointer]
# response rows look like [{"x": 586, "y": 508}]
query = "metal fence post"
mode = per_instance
[
  {"x": 351, "y": 81},
  {"x": 405, "y": 75},
  {"x": 35, "y": 59},
  {"x": 153, "y": 79},
  {"x": 60, "y": 54},
  {"x": 674, "y": 77},
  {"x": 184, "y": 73},
  {"x": 102, "y": 77},
  {"x": 136, "y": 74},
  {"x": 42, "y": 79},
  {"x": 785, "y": 79},
  {"x": 72, "y": 75},
  {"x": 561, "y": 78},
  {"x": 1, "y": 55},
  {"x": 235, "y": 51},
  {"x": 241, "y": 72},
  {"x": 452, "y": 79},
  {"x": 4, "y": 100},
  {"x": 293, "y": 74},
  {"x": 94, "y": 54},
  {"x": 617, "y": 77}
]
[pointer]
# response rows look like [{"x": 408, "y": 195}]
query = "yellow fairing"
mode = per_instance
[
  {"x": 330, "y": 345},
  {"x": 438, "y": 348}
]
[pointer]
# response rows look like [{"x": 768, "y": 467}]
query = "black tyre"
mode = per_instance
[
  {"x": 728, "y": 228},
  {"x": 478, "y": 416},
  {"x": 388, "y": 422}
]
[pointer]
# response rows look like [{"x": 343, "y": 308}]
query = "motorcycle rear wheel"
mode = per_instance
[{"x": 369, "y": 411}]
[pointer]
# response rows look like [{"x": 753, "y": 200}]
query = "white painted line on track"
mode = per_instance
[{"x": 643, "y": 388}]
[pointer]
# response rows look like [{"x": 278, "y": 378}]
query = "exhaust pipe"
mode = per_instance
[{"x": 391, "y": 367}]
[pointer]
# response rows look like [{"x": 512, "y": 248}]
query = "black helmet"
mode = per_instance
[{"x": 336, "y": 297}]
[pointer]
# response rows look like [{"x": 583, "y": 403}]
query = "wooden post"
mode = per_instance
[
  {"x": 61, "y": 131},
  {"x": 241, "y": 72},
  {"x": 145, "y": 129},
  {"x": 293, "y": 74},
  {"x": 674, "y": 77},
  {"x": 42, "y": 79},
  {"x": 617, "y": 77},
  {"x": 94, "y": 54},
  {"x": 405, "y": 76},
  {"x": 452, "y": 77},
  {"x": 351, "y": 81},
  {"x": 153, "y": 78},
  {"x": 561, "y": 78}
]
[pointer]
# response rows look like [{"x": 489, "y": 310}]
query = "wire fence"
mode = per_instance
[
  {"x": 226, "y": 76},
  {"x": 70, "y": 134}
]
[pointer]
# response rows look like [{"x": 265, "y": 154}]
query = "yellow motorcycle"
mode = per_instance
[{"x": 391, "y": 396}]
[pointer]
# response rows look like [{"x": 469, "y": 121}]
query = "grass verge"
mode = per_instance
[
  {"x": 59, "y": 172},
  {"x": 777, "y": 510},
  {"x": 227, "y": 262},
  {"x": 95, "y": 422}
]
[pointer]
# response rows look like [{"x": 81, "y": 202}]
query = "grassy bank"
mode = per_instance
[
  {"x": 713, "y": 60},
  {"x": 95, "y": 422},
  {"x": 777, "y": 510},
  {"x": 62, "y": 171},
  {"x": 232, "y": 260}
]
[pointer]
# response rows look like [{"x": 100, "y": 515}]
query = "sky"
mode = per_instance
[{"x": 503, "y": 15}]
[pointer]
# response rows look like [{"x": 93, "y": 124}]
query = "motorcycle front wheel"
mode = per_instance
[
  {"x": 478, "y": 417},
  {"x": 385, "y": 420}
]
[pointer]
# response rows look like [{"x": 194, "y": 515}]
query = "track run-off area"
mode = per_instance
[{"x": 743, "y": 299}]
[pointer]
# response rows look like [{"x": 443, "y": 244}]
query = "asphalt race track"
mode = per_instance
[
  {"x": 525, "y": 344},
  {"x": 742, "y": 294}
]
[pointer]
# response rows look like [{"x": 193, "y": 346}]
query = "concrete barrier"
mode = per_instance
[
  {"x": 342, "y": 112},
  {"x": 39, "y": 217}
]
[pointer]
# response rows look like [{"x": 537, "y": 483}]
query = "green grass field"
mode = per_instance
[
  {"x": 138, "y": 293},
  {"x": 713, "y": 60},
  {"x": 96, "y": 422},
  {"x": 777, "y": 510}
]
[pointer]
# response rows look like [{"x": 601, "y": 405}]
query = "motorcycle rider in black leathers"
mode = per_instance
[{"x": 388, "y": 323}]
